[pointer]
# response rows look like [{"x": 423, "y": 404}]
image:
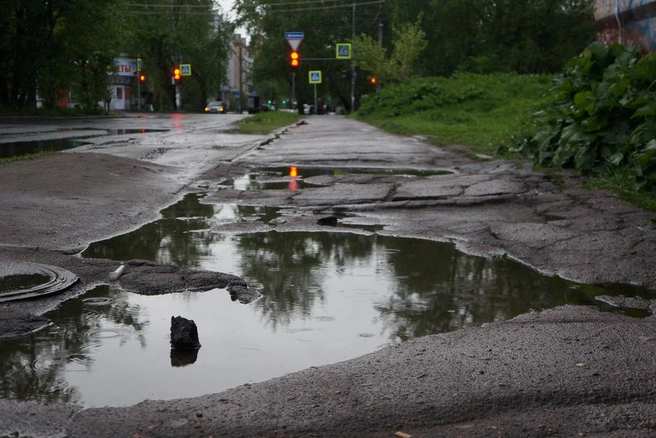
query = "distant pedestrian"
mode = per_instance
[{"x": 148, "y": 102}]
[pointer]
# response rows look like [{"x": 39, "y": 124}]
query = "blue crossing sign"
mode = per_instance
[
  {"x": 185, "y": 69},
  {"x": 343, "y": 51},
  {"x": 315, "y": 76}
]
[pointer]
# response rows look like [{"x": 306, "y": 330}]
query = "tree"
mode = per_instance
[
  {"x": 408, "y": 44},
  {"x": 324, "y": 26},
  {"x": 167, "y": 33},
  {"x": 42, "y": 45},
  {"x": 529, "y": 36}
]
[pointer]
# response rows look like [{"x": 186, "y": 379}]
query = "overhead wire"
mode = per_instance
[{"x": 281, "y": 7}]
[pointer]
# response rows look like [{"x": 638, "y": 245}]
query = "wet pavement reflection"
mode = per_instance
[
  {"x": 21, "y": 148},
  {"x": 327, "y": 297}
]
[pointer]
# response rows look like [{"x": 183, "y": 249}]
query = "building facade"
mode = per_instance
[
  {"x": 239, "y": 85},
  {"x": 629, "y": 22}
]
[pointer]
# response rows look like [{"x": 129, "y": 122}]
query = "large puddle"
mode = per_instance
[
  {"x": 327, "y": 297},
  {"x": 17, "y": 149}
]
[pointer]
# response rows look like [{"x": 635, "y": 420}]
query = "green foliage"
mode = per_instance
[
  {"x": 602, "y": 117},
  {"x": 48, "y": 48},
  {"x": 483, "y": 36},
  {"x": 324, "y": 26},
  {"x": 165, "y": 33},
  {"x": 481, "y": 111},
  {"x": 408, "y": 44},
  {"x": 43, "y": 46}
]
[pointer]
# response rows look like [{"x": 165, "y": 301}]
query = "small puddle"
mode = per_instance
[
  {"x": 8, "y": 150},
  {"x": 21, "y": 281},
  {"x": 279, "y": 178},
  {"x": 327, "y": 297}
]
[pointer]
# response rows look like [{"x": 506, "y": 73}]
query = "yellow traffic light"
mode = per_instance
[
  {"x": 373, "y": 80},
  {"x": 176, "y": 74},
  {"x": 142, "y": 78},
  {"x": 294, "y": 59}
]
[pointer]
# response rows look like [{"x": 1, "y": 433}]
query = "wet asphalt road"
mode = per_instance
[{"x": 571, "y": 371}]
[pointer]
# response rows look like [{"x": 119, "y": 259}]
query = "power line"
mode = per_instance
[{"x": 277, "y": 9}]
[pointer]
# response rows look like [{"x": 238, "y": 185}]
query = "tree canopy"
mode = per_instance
[
  {"x": 395, "y": 39},
  {"x": 48, "y": 46},
  {"x": 52, "y": 47}
]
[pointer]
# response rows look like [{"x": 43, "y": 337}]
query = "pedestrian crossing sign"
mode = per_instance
[
  {"x": 343, "y": 51},
  {"x": 315, "y": 76},
  {"x": 185, "y": 69}
]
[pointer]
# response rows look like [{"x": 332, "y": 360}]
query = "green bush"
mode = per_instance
[
  {"x": 480, "y": 111},
  {"x": 602, "y": 116}
]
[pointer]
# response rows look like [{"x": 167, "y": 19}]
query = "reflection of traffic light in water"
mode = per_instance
[{"x": 293, "y": 173}]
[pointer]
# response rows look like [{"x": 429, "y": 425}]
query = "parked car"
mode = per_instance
[{"x": 215, "y": 107}]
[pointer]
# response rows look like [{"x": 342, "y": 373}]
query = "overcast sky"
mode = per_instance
[{"x": 226, "y": 5}]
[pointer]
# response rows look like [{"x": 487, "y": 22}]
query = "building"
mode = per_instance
[
  {"x": 629, "y": 22},
  {"x": 239, "y": 67},
  {"x": 124, "y": 81}
]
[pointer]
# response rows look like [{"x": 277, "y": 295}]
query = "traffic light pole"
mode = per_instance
[
  {"x": 138, "y": 92},
  {"x": 294, "y": 89},
  {"x": 353, "y": 65}
]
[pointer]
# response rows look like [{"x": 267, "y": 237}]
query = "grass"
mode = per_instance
[
  {"x": 27, "y": 157},
  {"x": 623, "y": 185},
  {"x": 266, "y": 122},
  {"x": 480, "y": 111}
]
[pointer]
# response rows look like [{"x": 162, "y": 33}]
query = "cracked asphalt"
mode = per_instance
[{"x": 569, "y": 371}]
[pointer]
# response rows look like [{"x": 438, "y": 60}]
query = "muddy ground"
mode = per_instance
[{"x": 571, "y": 371}]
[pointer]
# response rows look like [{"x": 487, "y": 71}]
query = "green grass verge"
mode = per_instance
[
  {"x": 479, "y": 111},
  {"x": 27, "y": 157},
  {"x": 623, "y": 185},
  {"x": 266, "y": 122},
  {"x": 483, "y": 112}
]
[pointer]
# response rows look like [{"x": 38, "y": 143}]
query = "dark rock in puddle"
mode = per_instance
[
  {"x": 329, "y": 220},
  {"x": 243, "y": 293},
  {"x": 148, "y": 278},
  {"x": 181, "y": 358},
  {"x": 184, "y": 334}
]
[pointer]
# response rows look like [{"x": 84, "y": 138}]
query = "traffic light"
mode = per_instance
[
  {"x": 176, "y": 74},
  {"x": 294, "y": 59},
  {"x": 372, "y": 80},
  {"x": 142, "y": 78}
]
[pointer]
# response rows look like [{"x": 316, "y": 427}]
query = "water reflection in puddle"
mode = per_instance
[
  {"x": 327, "y": 297},
  {"x": 17, "y": 149},
  {"x": 8, "y": 150},
  {"x": 277, "y": 178}
]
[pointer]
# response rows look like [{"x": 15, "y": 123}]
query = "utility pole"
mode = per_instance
[
  {"x": 138, "y": 83},
  {"x": 241, "y": 76},
  {"x": 353, "y": 64},
  {"x": 381, "y": 27},
  {"x": 381, "y": 24},
  {"x": 176, "y": 61}
]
